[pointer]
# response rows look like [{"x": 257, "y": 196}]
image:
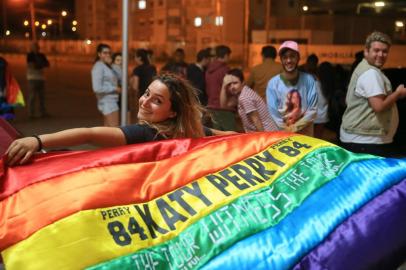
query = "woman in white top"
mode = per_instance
[{"x": 105, "y": 85}]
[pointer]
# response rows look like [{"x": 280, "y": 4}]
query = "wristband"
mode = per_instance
[{"x": 39, "y": 142}]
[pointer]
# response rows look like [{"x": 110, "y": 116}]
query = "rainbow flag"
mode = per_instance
[
  {"x": 248, "y": 201},
  {"x": 14, "y": 94}
]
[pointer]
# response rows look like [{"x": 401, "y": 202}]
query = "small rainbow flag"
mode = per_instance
[
  {"x": 13, "y": 92},
  {"x": 270, "y": 200}
]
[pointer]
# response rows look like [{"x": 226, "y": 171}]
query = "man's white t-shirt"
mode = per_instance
[{"x": 370, "y": 84}]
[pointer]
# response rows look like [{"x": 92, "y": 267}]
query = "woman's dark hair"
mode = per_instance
[
  {"x": 143, "y": 54},
  {"x": 100, "y": 48},
  {"x": 115, "y": 55},
  {"x": 237, "y": 73}
]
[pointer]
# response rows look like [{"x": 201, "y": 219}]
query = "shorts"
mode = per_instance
[{"x": 108, "y": 104}]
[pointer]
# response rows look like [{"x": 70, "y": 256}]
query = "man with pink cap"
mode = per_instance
[{"x": 292, "y": 95}]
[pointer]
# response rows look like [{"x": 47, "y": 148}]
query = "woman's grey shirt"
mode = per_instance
[{"x": 104, "y": 80}]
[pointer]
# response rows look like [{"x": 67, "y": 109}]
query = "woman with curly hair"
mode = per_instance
[{"x": 169, "y": 108}]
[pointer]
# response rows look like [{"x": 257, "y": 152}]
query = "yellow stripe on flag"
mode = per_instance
[{"x": 93, "y": 236}]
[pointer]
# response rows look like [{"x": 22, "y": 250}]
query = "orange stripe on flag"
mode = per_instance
[{"x": 115, "y": 184}]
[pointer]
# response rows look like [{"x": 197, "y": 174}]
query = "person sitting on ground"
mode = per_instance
[
  {"x": 251, "y": 107},
  {"x": 168, "y": 109}
]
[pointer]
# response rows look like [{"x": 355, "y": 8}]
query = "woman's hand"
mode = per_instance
[{"x": 21, "y": 150}]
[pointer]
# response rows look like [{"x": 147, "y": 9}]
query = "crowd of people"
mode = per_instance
[{"x": 208, "y": 97}]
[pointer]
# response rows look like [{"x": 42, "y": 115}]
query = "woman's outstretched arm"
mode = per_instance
[{"x": 20, "y": 150}]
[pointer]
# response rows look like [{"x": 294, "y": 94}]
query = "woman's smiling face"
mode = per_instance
[
  {"x": 105, "y": 55},
  {"x": 155, "y": 105}
]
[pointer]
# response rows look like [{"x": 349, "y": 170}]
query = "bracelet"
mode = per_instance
[{"x": 39, "y": 142}]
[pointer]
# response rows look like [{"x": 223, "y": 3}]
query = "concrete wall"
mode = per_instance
[
  {"x": 336, "y": 54},
  {"x": 80, "y": 51}
]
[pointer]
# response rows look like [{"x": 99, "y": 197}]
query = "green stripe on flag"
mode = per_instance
[{"x": 243, "y": 217}]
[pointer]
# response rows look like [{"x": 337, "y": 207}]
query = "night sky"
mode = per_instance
[{"x": 18, "y": 10}]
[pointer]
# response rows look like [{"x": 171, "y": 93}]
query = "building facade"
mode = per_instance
[{"x": 159, "y": 22}]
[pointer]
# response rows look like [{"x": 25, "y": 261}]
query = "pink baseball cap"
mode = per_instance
[{"x": 289, "y": 44}]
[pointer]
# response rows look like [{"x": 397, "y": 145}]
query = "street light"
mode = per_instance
[{"x": 64, "y": 13}]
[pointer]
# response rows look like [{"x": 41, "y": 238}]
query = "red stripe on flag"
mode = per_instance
[{"x": 90, "y": 187}]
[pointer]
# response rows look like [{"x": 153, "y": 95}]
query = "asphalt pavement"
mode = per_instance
[{"x": 69, "y": 97}]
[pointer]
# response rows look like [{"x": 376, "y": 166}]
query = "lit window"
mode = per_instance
[
  {"x": 219, "y": 20},
  {"x": 379, "y": 4},
  {"x": 399, "y": 24},
  {"x": 198, "y": 21},
  {"x": 142, "y": 4}
]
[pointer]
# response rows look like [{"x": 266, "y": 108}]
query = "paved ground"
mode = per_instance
[{"x": 69, "y": 98}]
